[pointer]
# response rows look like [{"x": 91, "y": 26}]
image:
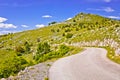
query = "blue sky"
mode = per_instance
[{"x": 19, "y": 15}]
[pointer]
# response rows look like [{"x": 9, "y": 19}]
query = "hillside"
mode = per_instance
[{"x": 83, "y": 30}]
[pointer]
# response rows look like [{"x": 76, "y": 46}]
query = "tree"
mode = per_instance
[
  {"x": 27, "y": 47},
  {"x": 42, "y": 49},
  {"x": 52, "y": 23}
]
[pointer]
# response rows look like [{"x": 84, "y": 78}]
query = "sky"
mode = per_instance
[{"x": 20, "y": 15}]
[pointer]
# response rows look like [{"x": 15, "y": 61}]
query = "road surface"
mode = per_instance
[{"x": 91, "y": 64}]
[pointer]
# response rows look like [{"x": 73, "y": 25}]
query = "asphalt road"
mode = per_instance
[{"x": 91, "y": 64}]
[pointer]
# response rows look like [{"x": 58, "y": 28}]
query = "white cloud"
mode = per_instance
[
  {"x": 7, "y": 31},
  {"x": 25, "y": 26},
  {"x": 1, "y": 33},
  {"x": 69, "y": 18},
  {"x": 106, "y": 9},
  {"x": 2, "y": 19},
  {"x": 107, "y": 0},
  {"x": 3, "y": 25},
  {"x": 46, "y": 16},
  {"x": 93, "y": 9},
  {"x": 40, "y": 25},
  {"x": 114, "y": 17}
]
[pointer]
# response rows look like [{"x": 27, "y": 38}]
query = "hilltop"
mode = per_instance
[
  {"x": 91, "y": 26},
  {"x": 82, "y": 30}
]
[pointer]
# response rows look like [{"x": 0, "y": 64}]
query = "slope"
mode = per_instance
[{"x": 83, "y": 30}]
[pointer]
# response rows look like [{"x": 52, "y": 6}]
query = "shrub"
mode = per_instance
[
  {"x": 52, "y": 23},
  {"x": 38, "y": 39},
  {"x": 67, "y": 30},
  {"x": 58, "y": 30},
  {"x": 19, "y": 49},
  {"x": 52, "y": 30},
  {"x": 12, "y": 66},
  {"x": 46, "y": 78},
  {"x": 69, "y": 35},
  {"x": 77, "y": 29},
  {"x": 117, "y": 25},
  {"x": 42, "y": 49},
  {"x": 74, "y": 20},
  {"x": 27, "y": 47},
  {"x": 63, "y": 49},
  {"x": 63, "y": 34}
]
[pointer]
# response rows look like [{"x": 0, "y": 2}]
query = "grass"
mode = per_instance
[
  {"x": 111, "y": 55},
  {"x": 46, "y": 78},
  {"x": 82, "y": 28},
  {"x": 28, "y": 60},
  {"x": 6, "y": 54}
]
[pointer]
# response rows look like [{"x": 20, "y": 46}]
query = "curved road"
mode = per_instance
[{"x": 90, "y": 64}]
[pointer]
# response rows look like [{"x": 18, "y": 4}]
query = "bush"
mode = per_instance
[
  {"x": 52, "y": 30},
  {"x": 63, "y": 34},
  {"x": 52, "y": 23},
  {"x": 69, "y": 35},
  {"x": 27, "y": 47},
  {"x": 63, "y": 49},
  {"x": 58, "y": 30},
  {"x": 67, "y": 30},
  {"x": 38, "y": 39},
  {"x": 77, "y": 29},
  {"x": 117, "y": 25},
  {"x": 19, "y": 49},
  {"x": 42, "y": 49},
  {"x": 12, "y": 66},
  {"x": 46, "y": 78},
  {"x": 111, "y": 55}
]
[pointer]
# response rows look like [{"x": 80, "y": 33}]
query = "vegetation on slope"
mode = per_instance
[
  {"x": 111, "y": 55},
  {"x": 22, "y": 57},
  {"x": 30, "y": 47}
]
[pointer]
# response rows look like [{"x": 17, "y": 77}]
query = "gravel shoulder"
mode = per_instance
[
  {"x": 91, "y": 64},
  {"x": 36, "y": 72}
]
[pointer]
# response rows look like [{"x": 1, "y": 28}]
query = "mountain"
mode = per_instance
[{"x": 82, "y": 30}]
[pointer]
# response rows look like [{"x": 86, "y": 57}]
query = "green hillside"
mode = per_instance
[{"x": 24, "y": 48}]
